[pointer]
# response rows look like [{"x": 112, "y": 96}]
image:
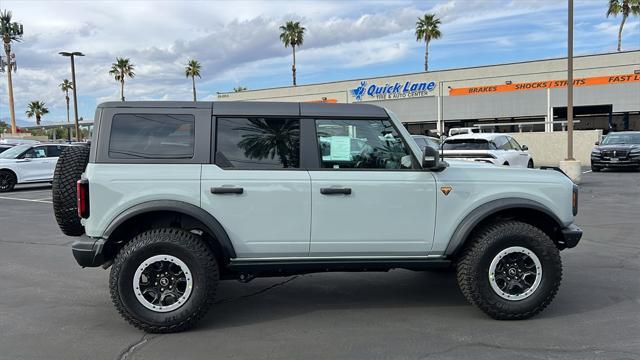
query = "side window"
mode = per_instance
[
  {"x": 258, "y": 143},
  {"x": 514, "y": 144},
  {"x": 502, "y": 143},
  {"x": 152, "y": 136},
  {"x": 35, "y": 153},
  {"x": 361, "y": 144},
  {"x": 54, "y": 150},
  {"x": 422, "y": 143}
]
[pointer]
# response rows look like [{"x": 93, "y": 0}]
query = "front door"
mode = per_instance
[
  {"x": 369, "y": 198},
  {"x": 256, "y": 188},
  {"x": 34, "y": 164}
]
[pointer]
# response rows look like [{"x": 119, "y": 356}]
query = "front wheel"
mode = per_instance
[
  {"x": 7, "y": 181},
  {"x": 510, "y": 270},
  {"x": 164, "y": 280}
]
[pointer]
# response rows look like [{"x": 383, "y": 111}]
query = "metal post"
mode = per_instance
[
  {"x": 75, "y": 97},
  {"x": 12, "y": 112},
  {"x": 570, "y": 82}
]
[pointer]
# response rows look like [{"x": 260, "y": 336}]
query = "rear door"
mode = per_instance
[
  {"x": 368, "y": 196},
  {"x": 53, "y": 153},
  {"x": 256, "y": 187}
]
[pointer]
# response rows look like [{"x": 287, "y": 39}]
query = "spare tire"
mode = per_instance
[{"x": 70, "y": 166}]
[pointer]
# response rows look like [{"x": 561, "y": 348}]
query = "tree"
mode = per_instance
[
  {"x": 292, "y": 34},
  {"x": 239, "y": 89},
  {"x": 10, "y": 32},
  {"x": 120, "y": 70},
  {"x": 65, "y": 86},
  {"x": 267, "y": 138},
  {"x": 427, "y": 29},
  {"x": 192, "y": 70},
  {"x": 38, "y": 109},
  {"x": 626, "y": 8}
]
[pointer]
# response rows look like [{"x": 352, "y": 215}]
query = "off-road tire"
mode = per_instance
[
  {"x": 10, "y": 178},
  {"x": 473, "y": 269},
  {"x": 181, "y": 244},
  {"x": 70, "y": 166}
]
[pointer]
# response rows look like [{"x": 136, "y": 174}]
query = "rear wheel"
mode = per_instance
[
  {"x": 511, "y": 270},
  {"x": 8, "y": 180},
  {"x": 164, "y": 280},
  {"x": 69, "y": 169}
]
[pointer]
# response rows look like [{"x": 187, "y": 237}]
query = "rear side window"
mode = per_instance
[
  {"x": 258, "y": 143},
  {"x": 54, "y": 150},
  {"x": 152, "y": 136}
]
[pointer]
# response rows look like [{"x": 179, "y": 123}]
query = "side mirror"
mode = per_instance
[
  {"x": 597, "y": 143},
  {"x": 524, "y": 147},
  {"x": 431, "y": 160}
]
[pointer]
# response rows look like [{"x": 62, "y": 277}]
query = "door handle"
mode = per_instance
[
  {"x": 226, "y": 190},
  {"x": 335, "y": 191}
]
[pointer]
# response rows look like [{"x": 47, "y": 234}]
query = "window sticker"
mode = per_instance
[{"x": 340, "y": 148}]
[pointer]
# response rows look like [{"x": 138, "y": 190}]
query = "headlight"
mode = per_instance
[
  {"x": 634, "y": 152},
  {"x": 595, "y": 152}
]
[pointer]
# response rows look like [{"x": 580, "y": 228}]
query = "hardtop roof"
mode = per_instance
[{"x": 260, "y": 108}]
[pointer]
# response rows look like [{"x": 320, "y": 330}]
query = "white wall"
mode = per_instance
[{"x": 548, "y": 149}]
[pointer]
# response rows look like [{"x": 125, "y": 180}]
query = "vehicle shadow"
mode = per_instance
[
  {"x": 30, "y": 187},
  {"x": 265, "y": 300}
]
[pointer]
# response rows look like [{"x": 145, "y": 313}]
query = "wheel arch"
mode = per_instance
[
  {"x": 164, "y": 213},
  {"x": 525, "y": 210},
  {"x": 14, "y": 172}
]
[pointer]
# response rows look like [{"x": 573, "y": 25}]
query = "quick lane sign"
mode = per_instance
[
  {"x": 396, "y": 90},
  {"x": 549, "y": 84}
]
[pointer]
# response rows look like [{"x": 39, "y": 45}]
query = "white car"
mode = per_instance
[
  {"x": 499, "y": 149},
  {"x": 28, "y": 164}
]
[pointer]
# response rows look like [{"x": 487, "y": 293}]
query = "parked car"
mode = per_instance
[
  {"x": 19, "y": 142},
  {"x": 499, "y": 149},
  {"x": 176, "y": 196},
  {"x": 28, "y": 164},
  {"x": 617, "y": 150},
  {"x": 4, "y": 148},
  {"x": 462, "y": 131},
  {"x": 424, "y": 141}
]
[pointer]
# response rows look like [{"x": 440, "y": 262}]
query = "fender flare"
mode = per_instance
[
  {"x": 213, "y": 225},
  {"x": 485, "y": 210}
]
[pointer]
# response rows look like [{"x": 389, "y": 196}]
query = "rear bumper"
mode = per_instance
[
  {"x": 571, "y": 235},
  {"x": 88, "y": 251}
]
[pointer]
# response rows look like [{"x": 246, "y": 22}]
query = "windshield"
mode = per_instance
[
  {"x": 618, "y": 139},
  {"x": 14, "y": 152},
  {"x": 467, "y": 144}
]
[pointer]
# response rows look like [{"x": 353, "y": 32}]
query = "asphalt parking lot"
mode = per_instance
[{"x": 52, "y": 309}]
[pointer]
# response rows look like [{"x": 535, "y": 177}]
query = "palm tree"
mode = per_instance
[
  {"x": 292, "y": 34},
  {"x": 267, "y": 138},
  {"x": 239, "y": 89},
  {"x": 38, "y": 109},
  {"x": 10, "y": 32},
  {"x": 427, "y": 29},
  {"x": 65, "y": 86},
  {"x": 626, "y": 8},
  {"x": 192, "y": 70},
  {"x": 120, "y": 70}
]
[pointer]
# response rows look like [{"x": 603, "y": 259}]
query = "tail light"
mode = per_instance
[{"x": 83, "y": 198}]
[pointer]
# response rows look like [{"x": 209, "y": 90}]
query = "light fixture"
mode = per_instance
[
  {"x": 636, "y": 71},
  {"x": 508, "y": 82}
]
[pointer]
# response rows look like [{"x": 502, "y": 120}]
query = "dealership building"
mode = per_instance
[{"x": 513, "y": 97}]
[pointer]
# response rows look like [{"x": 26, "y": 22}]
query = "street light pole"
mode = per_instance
[
  {"x": 75, "y": 87},
  {"x": 570, "y": 82}
]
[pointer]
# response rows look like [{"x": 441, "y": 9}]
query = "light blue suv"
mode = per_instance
[{"x": 176, "y": 196}]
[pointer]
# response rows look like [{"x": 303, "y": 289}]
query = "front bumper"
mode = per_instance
[
  {"x": 571, "y": 235},
  {"x": 604, "y": 163},
  {"x": 88, "y": 251}
]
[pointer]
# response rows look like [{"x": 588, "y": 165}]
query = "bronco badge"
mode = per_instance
[{"x": 446, "y": 190}]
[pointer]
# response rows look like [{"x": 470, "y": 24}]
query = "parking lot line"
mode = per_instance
[{"x": 28, "y": 200}]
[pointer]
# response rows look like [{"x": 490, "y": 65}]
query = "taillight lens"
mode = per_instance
[{"x": 83, "y": 198}]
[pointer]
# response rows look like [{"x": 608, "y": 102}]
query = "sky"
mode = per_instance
[{"x": 237, "y": 43}]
